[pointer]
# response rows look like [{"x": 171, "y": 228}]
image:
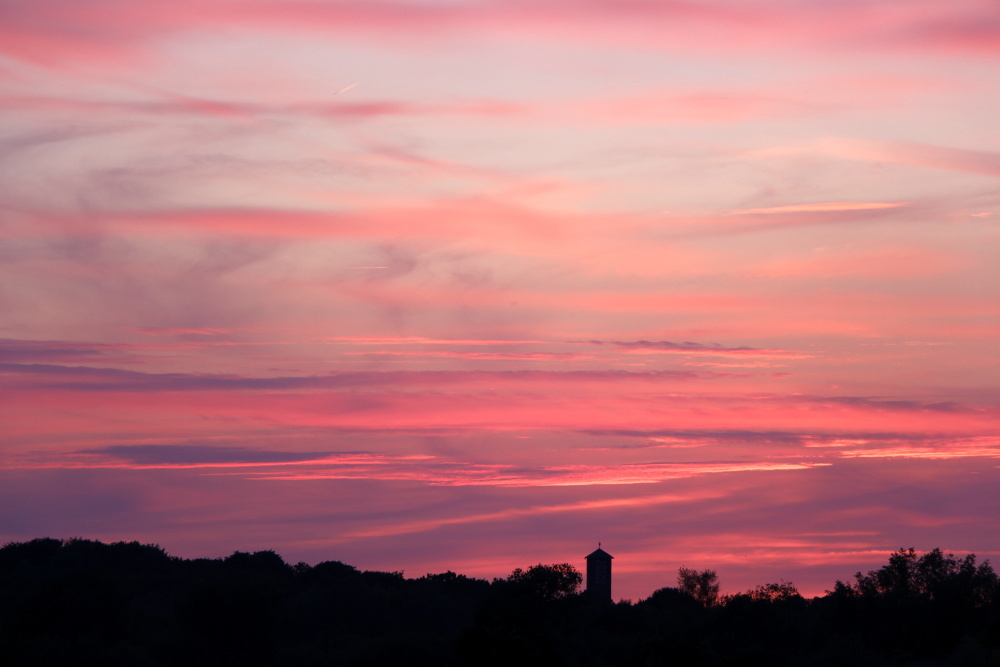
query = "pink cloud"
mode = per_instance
[
  {"x": 890, "y": 263},
  {"x": 823, "y": 207},
  {"x": 478, "y": 400},
  {"x": 589, "y": 506},
  {"x": 496, "y": 221},
  {"x": 498, "y": 356},
  {"x": 794, "y": 216},
  {"x": 166, "y": 103},
  {"x": 687, "y": 348},
  {"x": 986, "y": 163},
  {"x": 972, "y": 29},
  {"x": 421, "y": 340},
  {"x": 516, "y": 476},
  {"x": 703, "y": 107},
  {"x": 985, "y": 447},
  {"x": 56, "y": 31},
  {"x": 180, "y": 331}
]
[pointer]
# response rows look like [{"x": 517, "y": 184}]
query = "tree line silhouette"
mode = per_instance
[{"x": 83, "y": 602}]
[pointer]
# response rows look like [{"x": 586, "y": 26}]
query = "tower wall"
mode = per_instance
[{"x": 599, "y": 577}]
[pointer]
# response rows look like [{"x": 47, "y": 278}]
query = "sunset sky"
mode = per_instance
[{"x": 470, "y": 285}]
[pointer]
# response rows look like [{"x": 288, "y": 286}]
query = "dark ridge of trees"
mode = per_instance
[{"x": 82, "y": 602}]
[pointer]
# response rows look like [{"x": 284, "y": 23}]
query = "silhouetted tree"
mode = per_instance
[
  {"x": 702, "y": 586},
  {"x": 933, "y": 576},
  {"x": 920, "y": 606},
  {"x": 548, "y": 582},
  {"x": 781, "y": 591},
  {"x": 25, "y": 554},
  {"x": 671, "y": 598}
]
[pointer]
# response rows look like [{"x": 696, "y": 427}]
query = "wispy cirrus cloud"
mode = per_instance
[
  {"x": 46, "y": 356},
  {"x": 828, "y": 446},
  {"x": 898, "y": 263},
  {"x": 211, "y": 456},
  {"x": 497, "y": 222},
  {"x": 49, "y": 31},
  {"x": 821, "y": 207},
  {"x": 343, "y": 465},
  {"x": 983, "y": 162},
  {"x": 112, "y": 379},
  {"x": 795, "y": 216},
  {"x": 207, "y": 457},
  {"x": 465, "y": 474},
  {"x": 705, "y": 107},
  {"x": 14, "y": 351},
  {"x": 699, "y": 437},
  {"x": 687, "y": 347},
  {"x": 607, "y": 504},
  {"x": 487, "y": 356},
  {"x": 165, "y": 103},
  {"x": 422, "y": 340},
  {"x": 983, "y": 447},
  {"x": 196, "y": 333}
]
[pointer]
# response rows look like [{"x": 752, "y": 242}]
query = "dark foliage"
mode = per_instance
[
  {"x": 702, "y": 586},
  {"x": 80, "y": 602}
]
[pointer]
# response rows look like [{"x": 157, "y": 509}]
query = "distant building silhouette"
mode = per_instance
[{"x": 599, "y": 574}]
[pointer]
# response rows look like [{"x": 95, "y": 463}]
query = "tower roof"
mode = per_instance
[{"x": 600, "y": 554}]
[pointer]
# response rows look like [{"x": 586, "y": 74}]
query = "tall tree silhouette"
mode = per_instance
[{"x": 703, "y": 586}]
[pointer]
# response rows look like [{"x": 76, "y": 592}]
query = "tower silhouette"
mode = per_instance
[{"x": 599, "y": 574}]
